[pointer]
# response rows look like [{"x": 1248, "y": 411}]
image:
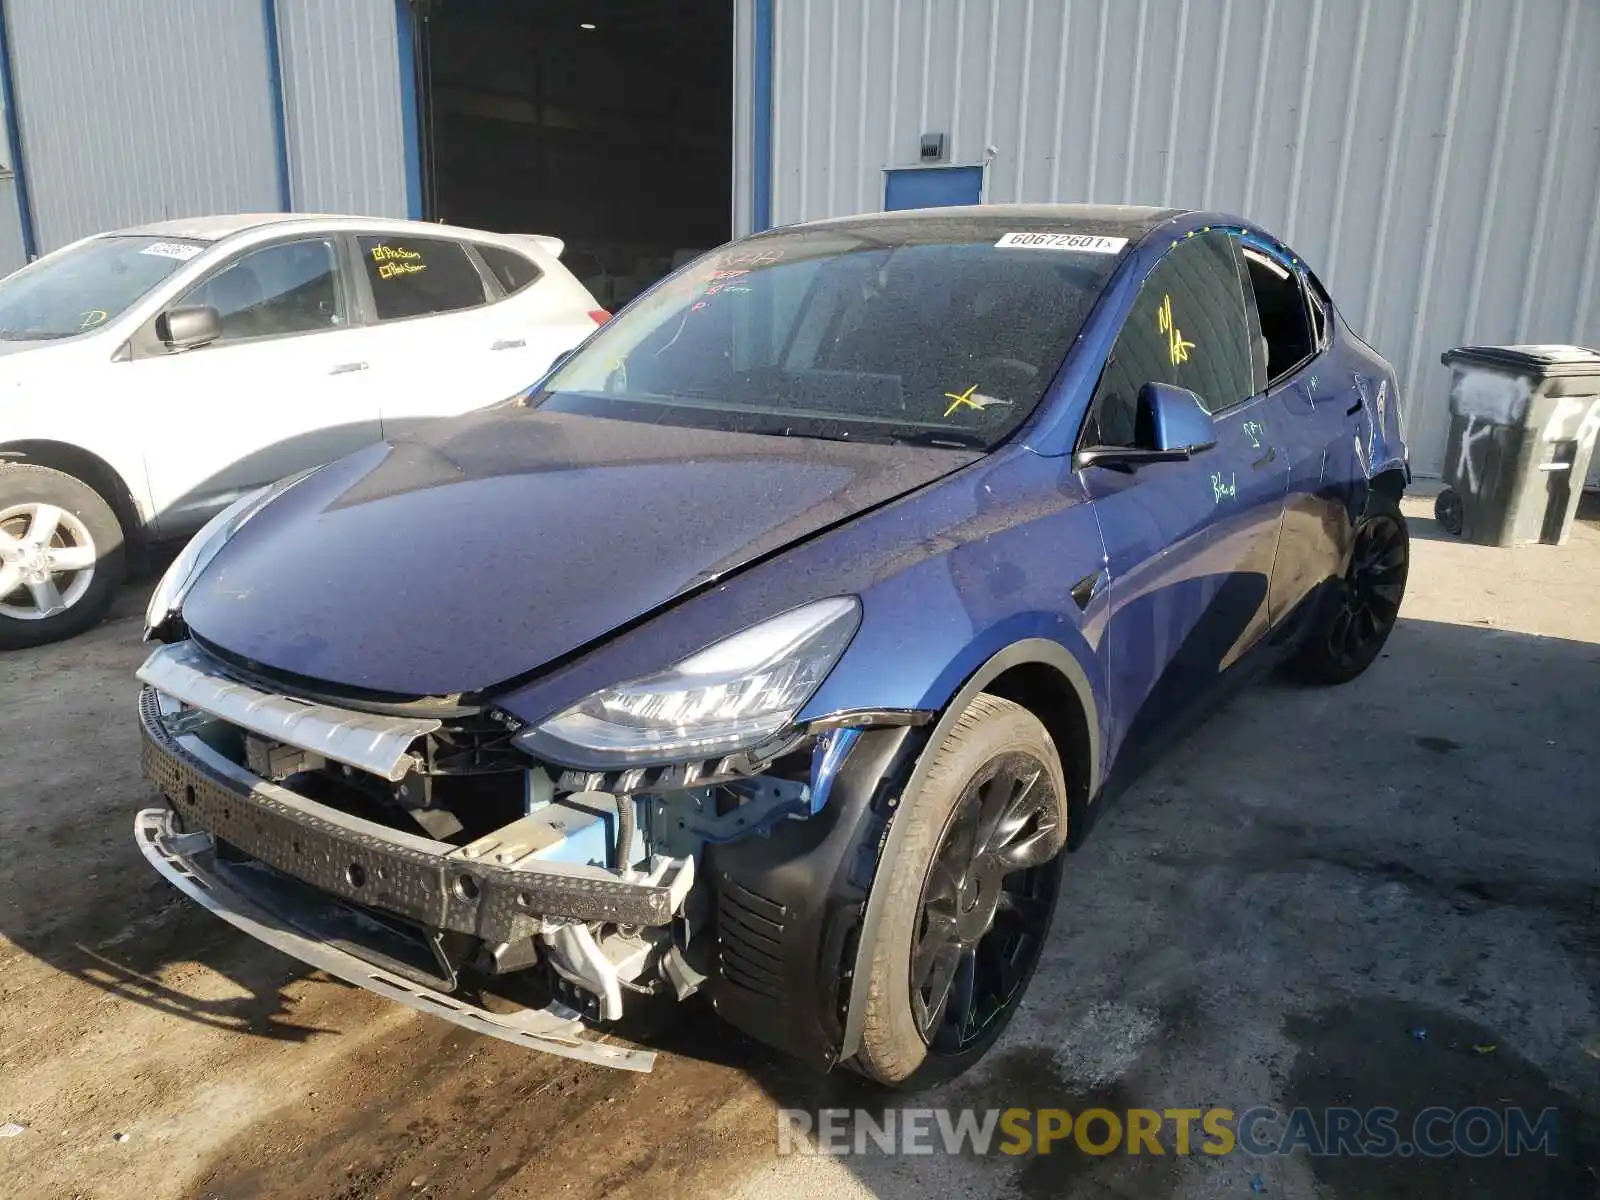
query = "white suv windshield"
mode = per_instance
[
  {"x": 922, "y": 331},
  {"x": 87, "y": 286}
]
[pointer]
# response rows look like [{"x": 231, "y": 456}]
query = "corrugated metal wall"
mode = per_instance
[
  {"x": 132, "y": 111},
  {"x": 743, "y": 111},
  {"x": 1437, "y": 161},
  {"x": 341, "y": 82},
  {"x": 13, "y": 255}
]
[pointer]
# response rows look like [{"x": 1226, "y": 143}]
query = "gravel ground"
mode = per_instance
[{"x": 1322, "y": 897}]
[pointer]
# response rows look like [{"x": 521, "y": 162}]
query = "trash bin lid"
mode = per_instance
[{"x": 1540, "y": 362}]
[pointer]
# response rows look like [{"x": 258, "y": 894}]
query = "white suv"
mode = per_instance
[{"x": 150, "y": 376}]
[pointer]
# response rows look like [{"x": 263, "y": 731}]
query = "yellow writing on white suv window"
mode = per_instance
[{"x": 395, "y": 261}]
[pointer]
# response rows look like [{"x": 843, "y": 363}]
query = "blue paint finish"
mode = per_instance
[
  {"x": 703, "y": 503},
  {"x": 1180, "y": 419},
  {"x": 280, "y": 113},
  {"x": 410, "y": 127},
  {"x": 761, "y": 120},
  {"x": 30, "y": 243},
  {"x": 596, "y": 551},
  {"x": 826, "y": 759},
  {"x": 931, "y": 187}
]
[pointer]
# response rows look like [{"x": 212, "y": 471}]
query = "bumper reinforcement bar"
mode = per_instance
[
  {"x": 432, "y": 883},
  {"x": 187, "y": 862}
]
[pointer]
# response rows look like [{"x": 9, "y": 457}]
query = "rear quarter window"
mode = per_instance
[
  {"x": 511, "y": 270},
  {"x": 418, "y": 277}
]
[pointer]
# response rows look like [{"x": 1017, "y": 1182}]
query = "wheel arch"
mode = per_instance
[
  {"x": 1391, "y": 482},
  {"x": 92, "y": 470},
  {"x": 1042, "y": 676}
]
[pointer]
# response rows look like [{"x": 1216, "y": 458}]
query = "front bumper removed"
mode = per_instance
[
  {"x": 297, "y": 874},
  {"x": 434, "y": 883},
  {"x": 188, "y": 861}
]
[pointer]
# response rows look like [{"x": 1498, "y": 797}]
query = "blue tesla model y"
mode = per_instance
[{"x": 775, "y": 646}]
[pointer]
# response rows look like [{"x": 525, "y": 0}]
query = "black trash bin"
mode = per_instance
[{"x": 1523, "y": 421}]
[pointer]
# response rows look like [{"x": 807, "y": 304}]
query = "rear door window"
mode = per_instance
[
  {"x": 511, "y": 270},
  {"x": 418, "y": 277},
  {"x": 1287, "y": 335}
]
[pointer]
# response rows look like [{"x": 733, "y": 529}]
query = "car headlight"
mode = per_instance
[
  {"x": 731, "y": 696},
  {"x": 202, "y": 548}
]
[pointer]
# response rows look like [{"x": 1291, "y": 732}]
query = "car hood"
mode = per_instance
[{"x": 483, "y": 548}]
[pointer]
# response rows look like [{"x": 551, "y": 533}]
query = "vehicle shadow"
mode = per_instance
[{"x": 82, "y": 899}]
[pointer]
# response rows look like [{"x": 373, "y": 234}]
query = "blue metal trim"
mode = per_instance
[
  {"x": 761, "y": 97},
  {"x": 280, "y": 114},
  {"x": 405, "y": 27},
  {"x": 30, "y": 244}
]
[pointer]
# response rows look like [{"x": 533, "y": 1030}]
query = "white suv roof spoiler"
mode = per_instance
[{"x": 552, "y": 246}]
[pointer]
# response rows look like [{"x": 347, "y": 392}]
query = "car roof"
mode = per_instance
[
  {"x": 1131, "y": 221},
  {"x": 216, "y": 228}
]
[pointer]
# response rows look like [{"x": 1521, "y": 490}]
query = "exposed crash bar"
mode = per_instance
[
  {"x": 183, "y": 861},
  {"x": 368, "y": 741},
  {"x": 369, "y": 863}
]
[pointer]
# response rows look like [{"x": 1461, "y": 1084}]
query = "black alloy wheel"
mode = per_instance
[
  {"x": 1373, "y": 588},
  {"x": 986, "y": 904}
]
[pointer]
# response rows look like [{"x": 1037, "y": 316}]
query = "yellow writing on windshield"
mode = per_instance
[
  {"x": 1177, "y": 348},
  {"x": 965, "y": 398}
]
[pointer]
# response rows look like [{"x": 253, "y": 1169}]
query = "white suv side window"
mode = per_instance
[{"x": 287, "y": 288}]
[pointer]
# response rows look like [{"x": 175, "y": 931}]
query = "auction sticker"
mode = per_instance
[
  {"x": 181, "y": 251},
  {"x": 1083, "y": 243}
]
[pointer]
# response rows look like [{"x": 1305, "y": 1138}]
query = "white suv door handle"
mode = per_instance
[
  {"x": 509, "y": 344},
  {"x": 346, "y": 368}
]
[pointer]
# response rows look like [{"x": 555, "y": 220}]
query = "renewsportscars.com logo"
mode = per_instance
[{"x": 1262, "y": 1131}]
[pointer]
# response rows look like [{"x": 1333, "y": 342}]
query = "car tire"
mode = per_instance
[
  {"x": 1449, "y": 512},
  {"x": 82, "y": 529},
  {"x": 1348, "y": 640},
  {"x": 944, "y": 875}
]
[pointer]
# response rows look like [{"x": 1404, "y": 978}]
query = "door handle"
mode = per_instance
[
  {"x": 1354, "y": 408},
  {"x": 346, "y": 368},
  {"x": 1266, "y": 459},
  {"x": 509, "y": 344}
]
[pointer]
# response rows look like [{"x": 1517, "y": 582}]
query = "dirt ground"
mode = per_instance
[{"x": 1322, "y": 897}]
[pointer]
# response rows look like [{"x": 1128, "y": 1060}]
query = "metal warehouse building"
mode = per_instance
[{"x": 1437, "y": 161}]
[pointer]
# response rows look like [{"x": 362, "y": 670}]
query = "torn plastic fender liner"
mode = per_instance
[{"x": 788, "y": 904}]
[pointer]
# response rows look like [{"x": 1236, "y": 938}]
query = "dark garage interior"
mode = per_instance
[{"x": 607, "y": 123}]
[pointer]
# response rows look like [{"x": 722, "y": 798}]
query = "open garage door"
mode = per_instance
[{"x": 607, "y": 123}]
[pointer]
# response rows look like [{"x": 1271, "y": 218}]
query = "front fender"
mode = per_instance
[{"x": 797, "y": 914}]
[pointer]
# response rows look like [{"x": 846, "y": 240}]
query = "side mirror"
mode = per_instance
[
  {"x": 1172, "y": 425},
  {"x": 186, "y": 328}
]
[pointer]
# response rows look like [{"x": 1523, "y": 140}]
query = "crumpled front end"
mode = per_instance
[{"x": 425, "y": 858}]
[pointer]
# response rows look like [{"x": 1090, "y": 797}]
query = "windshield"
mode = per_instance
[
  {"x": 924, "y": 331},
  {"x": 87, "y": 286}
]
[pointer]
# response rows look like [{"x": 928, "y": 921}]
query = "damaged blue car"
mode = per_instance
[{"x": 775, "y": 646}]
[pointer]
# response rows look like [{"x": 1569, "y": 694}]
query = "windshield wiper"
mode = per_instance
[{"x": 944, "y": 439}]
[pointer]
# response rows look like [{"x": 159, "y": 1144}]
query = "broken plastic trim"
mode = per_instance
[{"x": 376, "y": 744}]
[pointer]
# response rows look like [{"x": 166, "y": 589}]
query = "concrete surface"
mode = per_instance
[{"x": 1264, "y": 919}]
